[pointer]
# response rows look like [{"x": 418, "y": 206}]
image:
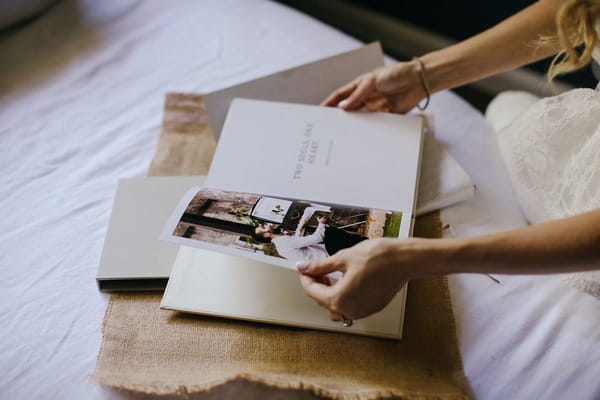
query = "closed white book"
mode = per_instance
[
  {"x": 443, "y": 181},
  {"x": 133, "y": 257}
]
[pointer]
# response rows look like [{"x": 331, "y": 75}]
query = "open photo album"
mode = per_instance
[
  {"x": 288, "y": 183},
  {"x": 293, "y": 182}
]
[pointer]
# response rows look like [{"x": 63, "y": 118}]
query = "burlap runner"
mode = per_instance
[{"x": 148, "y": 350}]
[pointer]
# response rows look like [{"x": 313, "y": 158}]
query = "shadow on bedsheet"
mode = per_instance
[{"x": 37, "y": 50}]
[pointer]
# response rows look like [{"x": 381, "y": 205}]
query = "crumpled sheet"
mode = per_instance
[{"x": 81, "y": 97}]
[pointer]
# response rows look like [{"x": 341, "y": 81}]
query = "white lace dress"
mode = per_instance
[{"x": 551, "y": 148}]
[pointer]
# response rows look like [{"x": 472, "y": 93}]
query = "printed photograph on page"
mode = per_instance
[{"x": 275, "y": 230}]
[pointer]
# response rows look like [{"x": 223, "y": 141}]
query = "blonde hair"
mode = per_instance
[{"x": 576, "y": 26}]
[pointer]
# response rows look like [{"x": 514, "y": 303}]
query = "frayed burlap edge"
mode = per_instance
[
  {"x": 187, "y": 390},
  {"x": 114, "y": 382}
]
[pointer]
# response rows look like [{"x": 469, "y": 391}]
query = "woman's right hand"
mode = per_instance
[
  {"x": 394, "y": 88},
  {"x": 373, "y": 271}
]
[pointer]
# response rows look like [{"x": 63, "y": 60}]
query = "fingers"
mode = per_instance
[
  {"x": 335, "y": 317},
  {"x": 318, "y": 286},
  {"x": 322, "y": 292},
  {"x": 356, "y": 100},
  {"x": 334, "y": 98},
  {"x": 319, "y": 292},
  {"x": 380, "y": 104},
  {"x": 323, "y": 267},
  {"x": 325, "y": 281}
]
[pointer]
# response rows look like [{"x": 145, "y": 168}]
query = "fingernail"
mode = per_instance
[
  {"x": 342, "y": 104},
  {"x": 302, "y": 266}
]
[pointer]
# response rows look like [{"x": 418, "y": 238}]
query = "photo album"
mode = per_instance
[
  {"x": 288, "y": 183},
  {"x": 294, "y": 183}
]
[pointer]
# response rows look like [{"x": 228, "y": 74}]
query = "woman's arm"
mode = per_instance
[
  {"x": 374, "y": 270},
  {"x": 566, "y": 245},
  {"x": 510, "y": 44}
]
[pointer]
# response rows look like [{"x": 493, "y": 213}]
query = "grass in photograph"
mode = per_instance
[{"x": 392, "y": 225}]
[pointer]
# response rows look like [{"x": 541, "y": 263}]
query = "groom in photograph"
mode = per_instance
[{"x": 325, "y": 241}]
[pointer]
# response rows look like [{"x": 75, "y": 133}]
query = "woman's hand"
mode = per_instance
[
  {"x": 395, "y": 88},
  {"x": 376, "y": 269},
  {"x": 398, "y": 88},
  {"x": 373, "y": 272}
]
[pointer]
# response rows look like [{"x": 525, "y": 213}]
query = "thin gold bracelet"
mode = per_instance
[{"x": 423, "y": 82}]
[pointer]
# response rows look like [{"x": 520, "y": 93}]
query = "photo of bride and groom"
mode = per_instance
[
  {"x": 325, "y": 241},
  {"x": 277, "y": 228}
]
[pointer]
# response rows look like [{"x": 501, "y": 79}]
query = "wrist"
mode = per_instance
[
  {"x": 424, "y": 84},
  {"x": 443, "y": 70},
  {"x": 430, "y": 257}
]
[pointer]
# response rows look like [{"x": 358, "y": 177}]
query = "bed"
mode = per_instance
[{"x": 81, "y": 95}]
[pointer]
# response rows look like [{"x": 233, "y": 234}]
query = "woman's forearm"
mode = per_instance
[
  {"x": 508, "y": 45},
  {"x": 566, "y": 245}
]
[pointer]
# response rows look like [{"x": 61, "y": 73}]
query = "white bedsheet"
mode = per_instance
[{"x": 81, "y": 97}]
